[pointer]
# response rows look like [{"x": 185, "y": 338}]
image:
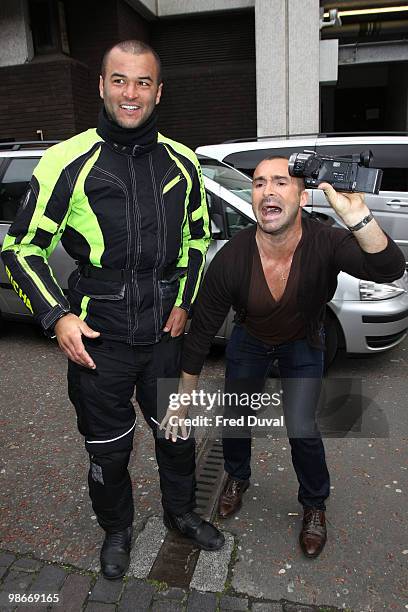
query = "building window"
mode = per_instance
[{"x": 48, "y": 27}]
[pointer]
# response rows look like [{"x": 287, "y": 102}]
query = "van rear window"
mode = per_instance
[
  {"x": 247, "y": 161},
  {"x": 14, "y": 184}
]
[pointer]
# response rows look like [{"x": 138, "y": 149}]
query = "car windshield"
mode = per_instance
[{"x": 227, "y": 177}]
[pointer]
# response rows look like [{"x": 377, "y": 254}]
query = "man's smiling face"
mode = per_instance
[
  {"x": 129, "y": 88},
  {"x": 276, "y": 196}
]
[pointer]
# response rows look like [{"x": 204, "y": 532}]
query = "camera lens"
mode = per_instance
[
  {"x": 291, "y": 163},
  {"x": 297, "y": 163}
]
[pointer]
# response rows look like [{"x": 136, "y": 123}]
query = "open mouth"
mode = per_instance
[{"x": 270, "y": 211}]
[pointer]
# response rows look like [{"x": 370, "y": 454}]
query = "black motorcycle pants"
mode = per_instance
[{"x": 106, "y": 418}]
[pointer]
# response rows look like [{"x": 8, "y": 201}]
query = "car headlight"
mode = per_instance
[{"x": 370, "y": 291}]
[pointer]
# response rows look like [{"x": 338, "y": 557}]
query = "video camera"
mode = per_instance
[{"x": 351, "y": 173}]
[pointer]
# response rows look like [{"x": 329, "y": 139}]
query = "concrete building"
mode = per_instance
[{"x": 232, "y": 68}]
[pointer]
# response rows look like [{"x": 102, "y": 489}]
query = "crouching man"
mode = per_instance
[{"x": 279, "y": 275}]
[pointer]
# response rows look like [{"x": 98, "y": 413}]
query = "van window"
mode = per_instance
[
  {"x": 13, "y": 186},
  {"x": 228, "y": 178},
  {"x": 216, "y": 216},
  {"x": 247, "y": 161},
  {"x": 391, "y": 158},
  {"x": 236, "y": 221}
]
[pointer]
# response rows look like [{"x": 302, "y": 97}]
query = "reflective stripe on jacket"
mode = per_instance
[{"x": 113, "y": 210}]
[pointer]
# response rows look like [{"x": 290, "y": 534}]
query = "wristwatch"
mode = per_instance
[{"x": 362, "y": 223}]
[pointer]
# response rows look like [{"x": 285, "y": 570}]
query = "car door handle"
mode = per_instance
[{"x": 397, "y": 203}]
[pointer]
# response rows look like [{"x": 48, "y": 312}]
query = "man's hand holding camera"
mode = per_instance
[
  {"x": 350, "y": 207},
  {"x": 355, "y": 214}
]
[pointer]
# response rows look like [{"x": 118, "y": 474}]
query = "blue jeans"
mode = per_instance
[{"x": 301, "y": 368}]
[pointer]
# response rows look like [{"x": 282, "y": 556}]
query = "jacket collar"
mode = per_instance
[{"x": 130, "y": 141}]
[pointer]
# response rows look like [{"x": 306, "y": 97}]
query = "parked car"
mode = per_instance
[
  {"x": 390, "y": 153},
  {"x": 364, "y": 317}
]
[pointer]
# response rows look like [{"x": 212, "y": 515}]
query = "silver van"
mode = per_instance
[{"x": 363, "y": 317}]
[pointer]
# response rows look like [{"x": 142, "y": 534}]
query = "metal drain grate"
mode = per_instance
[{"x": 177, "y": 557}]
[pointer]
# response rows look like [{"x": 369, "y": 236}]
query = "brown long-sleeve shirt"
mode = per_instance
[{"x": 325, "y": 252}]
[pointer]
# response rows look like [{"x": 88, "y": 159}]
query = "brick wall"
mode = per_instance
[
  {"x": 59, "y": 94},
  {"x": 83, "y": 94},
  {"x": 38, "y": 96},
  {"x": 209, "y": 75}
]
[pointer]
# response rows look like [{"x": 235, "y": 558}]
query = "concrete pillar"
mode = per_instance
[
  {"x": 287, "y": 66},
  {"x": 16, "y": 40}
]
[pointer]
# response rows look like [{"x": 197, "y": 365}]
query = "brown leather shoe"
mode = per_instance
[
  {"x": 231, "y": 497},
  {"x": 313, "y": 536}
]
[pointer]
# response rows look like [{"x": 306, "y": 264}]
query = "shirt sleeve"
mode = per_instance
[
  {"x": 382, "y": 267},
  {"x": 214, "y": 300},
  {"x": 196, "y": 238},
  {"x": 32, "y": 238}
]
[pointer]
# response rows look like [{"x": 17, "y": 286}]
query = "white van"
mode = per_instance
[{"x": 363, "y": 316}]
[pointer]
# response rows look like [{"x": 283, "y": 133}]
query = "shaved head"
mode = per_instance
[{"x": 135, "y": 47}]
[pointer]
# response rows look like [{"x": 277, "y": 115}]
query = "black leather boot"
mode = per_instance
[
  {"x": 192, "y": 526},
  {"x": 115, "y": 553}
]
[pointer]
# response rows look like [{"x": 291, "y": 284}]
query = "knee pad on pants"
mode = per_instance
[{"x": 110, "y": 468}]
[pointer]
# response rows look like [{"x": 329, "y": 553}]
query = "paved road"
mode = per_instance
[
  {"x": 46, "y": 512},
  {"x": 364, "y": 565}
]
